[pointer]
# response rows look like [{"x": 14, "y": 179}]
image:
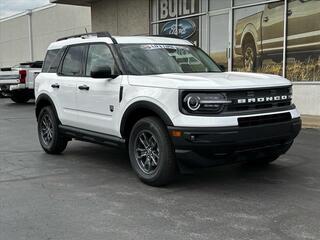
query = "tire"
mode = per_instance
[
  {"x": 249, "y": 53},
  {"x": 21, "y": 97},
  {"x": 53, "y": 142},
  {"x": 151, "y": 152}
]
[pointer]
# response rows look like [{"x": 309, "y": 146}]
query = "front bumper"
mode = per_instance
[{"x": 214, "y": 146}]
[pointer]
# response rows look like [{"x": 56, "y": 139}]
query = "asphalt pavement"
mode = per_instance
[{"x": 90, "y": 193}]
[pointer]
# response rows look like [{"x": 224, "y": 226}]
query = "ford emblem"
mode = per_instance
[{"x": 186, "y": 28}]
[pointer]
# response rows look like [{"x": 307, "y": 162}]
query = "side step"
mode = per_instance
[{"x": 92, "y": 137}]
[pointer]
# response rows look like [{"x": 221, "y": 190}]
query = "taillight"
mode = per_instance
[{"x": 22, "y": 76}]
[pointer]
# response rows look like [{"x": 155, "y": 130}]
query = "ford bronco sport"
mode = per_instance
[{"x": 164, "y": 100}]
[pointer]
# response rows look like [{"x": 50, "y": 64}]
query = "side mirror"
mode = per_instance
[
  {"x": 101, "y": 72},
  {"x": 222, "y": 67}
]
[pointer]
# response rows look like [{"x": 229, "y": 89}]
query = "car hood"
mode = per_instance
[{"x": 225, "y": 80}]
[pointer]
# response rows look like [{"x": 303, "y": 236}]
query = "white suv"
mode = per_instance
[{"x": 164, "y": 100}]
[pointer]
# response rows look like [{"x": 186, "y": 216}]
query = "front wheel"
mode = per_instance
[
  {"x": 151, "y": 152},
  {"x": 51, "y": 140}
]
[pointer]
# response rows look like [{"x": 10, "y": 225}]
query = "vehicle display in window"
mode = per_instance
[{"x": 260, "y": 35}]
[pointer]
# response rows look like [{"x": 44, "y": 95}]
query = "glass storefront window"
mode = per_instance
[
  {"x": 188, "y": 7},
  {"x": 257, "y": 33},
  {"x": 245, "y": 2},
  {"x": 219, "y": 38},
  {"x": 189, "y": 29},
  {"x": 303, "y": 40},
  {"x": 219, "y": 4},
  {"x": 258, "y": 38}
]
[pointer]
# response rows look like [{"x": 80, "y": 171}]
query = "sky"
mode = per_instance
[{"x": 11, "y": 7}]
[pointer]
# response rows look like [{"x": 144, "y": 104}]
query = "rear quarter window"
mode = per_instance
[{"x": 50, "y": 57}]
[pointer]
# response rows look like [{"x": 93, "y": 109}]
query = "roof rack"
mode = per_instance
[{"x": 97, "y": 34}]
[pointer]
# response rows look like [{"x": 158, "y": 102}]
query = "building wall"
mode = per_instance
[
  {"x": 48, "y": 24},
  {"x": 122, "y": 17},
  {"x": 306, "y": 97},
  {"x": 14, "y": 41}
]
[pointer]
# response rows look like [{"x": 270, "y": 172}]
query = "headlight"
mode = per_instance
[{"x": 204, "y": 102}]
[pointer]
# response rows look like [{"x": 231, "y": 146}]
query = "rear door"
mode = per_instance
[
  {"x": 64, "y": 86},
  {"x": 98, "y": 98}
]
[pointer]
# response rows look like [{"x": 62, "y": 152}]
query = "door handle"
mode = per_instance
[
  {"x": 266, "y": 19},
  {"x": 84, "y": 87},
  {"x": 289, "y": 12},
  {"x": 56, "y": 85}
]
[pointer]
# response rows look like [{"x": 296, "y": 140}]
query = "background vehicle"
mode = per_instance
[
  {"x": 18, "y": 82},
  {"x": 142, "y": 93},
  {"x": 261, "y": 35}
]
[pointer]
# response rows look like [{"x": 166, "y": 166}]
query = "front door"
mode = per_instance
[{"x": 98, "y": 98}]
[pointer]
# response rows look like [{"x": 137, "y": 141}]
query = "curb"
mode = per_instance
[{"x": 309, "y": 121}]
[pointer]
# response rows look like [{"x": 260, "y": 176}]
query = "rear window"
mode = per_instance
[{"x": 51, "y": 55}]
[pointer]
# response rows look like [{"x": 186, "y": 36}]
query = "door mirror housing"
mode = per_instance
[{"x": 102, "y": 72}]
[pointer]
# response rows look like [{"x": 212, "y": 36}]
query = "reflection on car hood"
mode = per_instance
[{"x": 226, "y": 80}]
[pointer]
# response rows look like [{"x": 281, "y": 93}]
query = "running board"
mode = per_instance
[{"x": 92, "y": 137}]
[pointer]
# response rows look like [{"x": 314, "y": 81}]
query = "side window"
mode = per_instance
[
  {"x": 100, "y": 56},
  {"x": 51, "y": 54},
  {"x": 55, "y": 63},
  {"x": 72, "y": 63}
]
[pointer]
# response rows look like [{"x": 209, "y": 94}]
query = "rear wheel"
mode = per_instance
[
  {"x": 51, "y": 140},
  {"x": 151, "y": 152},
  {"x": 21, "y": 97},
  {"x": 2, "y": 95}
]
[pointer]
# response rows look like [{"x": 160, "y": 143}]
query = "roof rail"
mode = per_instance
[
  {"x": 166, "y": 35},
  {"x": 97, "y": 34}
]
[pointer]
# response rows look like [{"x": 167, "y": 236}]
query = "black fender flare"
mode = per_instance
[
  {"x": 44, "y": 97},
  {"x": 144, "y": 105}
]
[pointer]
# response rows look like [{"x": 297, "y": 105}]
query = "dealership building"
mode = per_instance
[{"x": 26, "y": 36}]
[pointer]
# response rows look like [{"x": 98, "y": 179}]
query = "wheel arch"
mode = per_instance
[
  {"x": 44, "y": 100},
  {"x": 138, "y": 110}
]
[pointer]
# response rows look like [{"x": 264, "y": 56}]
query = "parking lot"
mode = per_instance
[{"x": 90, "y": 192}]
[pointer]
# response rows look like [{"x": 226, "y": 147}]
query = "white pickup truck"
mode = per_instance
[{"x": 18, "y": 82}]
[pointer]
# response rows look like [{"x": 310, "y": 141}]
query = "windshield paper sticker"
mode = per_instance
[{"x": 160, "y": 46}]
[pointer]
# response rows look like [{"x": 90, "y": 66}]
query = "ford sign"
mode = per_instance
[{"x": 186, "y": 28}]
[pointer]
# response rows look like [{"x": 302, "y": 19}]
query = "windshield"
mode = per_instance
[{"x": 147, "y": 59}]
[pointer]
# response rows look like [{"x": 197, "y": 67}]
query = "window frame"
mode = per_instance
[
  {"x": 46, "y": 59},
  {"x": 59, "y": 72},
  {"x": 86, "y": 54}
]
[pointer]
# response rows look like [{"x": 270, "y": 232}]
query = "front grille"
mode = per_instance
[
  {"x": 259, "y": 94},
  {"x": 266, "y": 119}
]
